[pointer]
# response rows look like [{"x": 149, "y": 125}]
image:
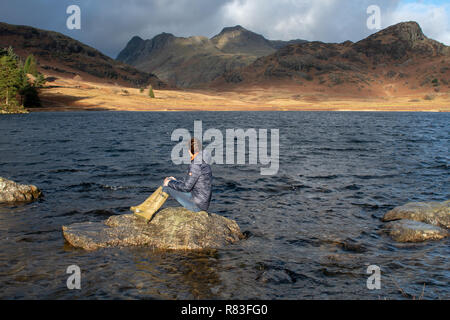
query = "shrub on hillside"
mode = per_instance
[{"x": 151, "y": 94}]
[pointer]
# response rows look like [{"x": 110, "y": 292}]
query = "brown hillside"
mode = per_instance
[
  {"x": 60, "y": 55},
  {"x": 399, "y": 60}
]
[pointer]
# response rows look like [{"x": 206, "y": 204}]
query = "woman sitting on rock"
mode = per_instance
[{"x": 193, "y": 193}]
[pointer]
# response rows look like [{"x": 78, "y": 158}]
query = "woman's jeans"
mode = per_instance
[{"x": 183, "y": 198}]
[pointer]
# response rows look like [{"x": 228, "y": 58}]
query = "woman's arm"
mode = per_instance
[{"x": 189, "y": 183}]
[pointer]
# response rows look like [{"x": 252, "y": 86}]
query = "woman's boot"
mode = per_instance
[
  {"x": 147, "y": 201},
  {"x": 152, "y": 204}
]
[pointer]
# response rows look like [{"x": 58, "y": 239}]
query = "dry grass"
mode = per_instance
[
  {"x": 70, "y": 94},
  {"x": 407, "y": 295}
]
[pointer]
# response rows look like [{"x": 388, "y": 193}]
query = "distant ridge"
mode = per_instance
[
  {"x": 194, "y": 61},
  {"x": 397, "y": 59},
  {"x": 61, "y": 55}
]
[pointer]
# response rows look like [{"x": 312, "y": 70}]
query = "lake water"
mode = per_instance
[{"x": 314, "y": 227}]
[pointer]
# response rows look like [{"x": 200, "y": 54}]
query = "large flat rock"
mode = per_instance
[
  {"x": 171, "y": 228},
  {"x": 434, "y": 213},
  {"x": 11, "y": 192},
  {"x": 414, "y": 231}
]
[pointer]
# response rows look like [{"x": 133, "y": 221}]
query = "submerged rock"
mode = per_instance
[
  {"x": 414, "y": 231},
  {"x": 11, "y": 192},
  {"x": 435, "y": 213},
  {"x": 171, "y": 228}
]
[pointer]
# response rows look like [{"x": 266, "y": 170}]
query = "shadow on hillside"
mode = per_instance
[{"x": 64, "y": 102}]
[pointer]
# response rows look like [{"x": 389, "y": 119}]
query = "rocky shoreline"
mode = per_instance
[
  {"x": 418, "y": 221},
  {"x": 14, "y": 112},
  {"x": 170, "y": 229},
  {"x": 12, "y": 192},
  {"x": 181, "y": 229}
]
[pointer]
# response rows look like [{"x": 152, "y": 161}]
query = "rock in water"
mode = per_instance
[
  {"x": 435, "y": 213},
  {"x": 11, "y": 192},
  {"x": 413, "y": 231},
  {"x": 171, "y": 228}
]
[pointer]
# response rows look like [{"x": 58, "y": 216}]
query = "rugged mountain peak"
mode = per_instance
[
  {"x": 136, "y": 39},
  {"x": 242, "y": 41},
  {"x": 399, "y": 42},
  {"x": 405, "y": 31},
  {"x": 409, "y": 31},
  {"x": 347, "y": 43},
  {"x": 132, "y": 46},
  {"x": 164, "y": 35},
  {"x": 162, "y": 39},
  {"x": 136, "y": 45},
  {"x": 236, "y": 33},
  {"x": 232, "y": 29}
]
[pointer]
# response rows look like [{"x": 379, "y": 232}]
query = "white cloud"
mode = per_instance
[
  {"x": 433, "y": 19},
  {"x": 323, "y": 20},
  {"x": 109, "y": 25}
]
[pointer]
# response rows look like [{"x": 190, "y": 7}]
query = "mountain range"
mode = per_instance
[
  {"x": 395, "y": 59},
  {"x": 196, "y": 61}
]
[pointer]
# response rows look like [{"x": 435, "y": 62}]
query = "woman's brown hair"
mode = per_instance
[{"x": 195, "y": 146}]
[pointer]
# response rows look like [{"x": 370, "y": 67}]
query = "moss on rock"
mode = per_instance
[{"x": 171, "y": 228}]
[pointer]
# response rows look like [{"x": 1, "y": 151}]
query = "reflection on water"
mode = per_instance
[
  {"x": 194, "y": 274},
  {"x": 313, "y": 228}
]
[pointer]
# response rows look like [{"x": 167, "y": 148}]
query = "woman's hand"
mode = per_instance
[{"x": 166, "y": 181}]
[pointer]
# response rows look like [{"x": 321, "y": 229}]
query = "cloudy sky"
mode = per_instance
[{"x": 108, "y": 25}]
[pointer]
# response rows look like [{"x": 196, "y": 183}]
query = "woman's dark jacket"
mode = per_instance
[{"x": 198, "y": 183}]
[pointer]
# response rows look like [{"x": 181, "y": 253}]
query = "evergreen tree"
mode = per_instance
[
  {"x": 11, "y": 79},
  {"x": 16, "y": 91},
  {"x": 30, "y": 66},
  {"x": 40, "y": 80}
]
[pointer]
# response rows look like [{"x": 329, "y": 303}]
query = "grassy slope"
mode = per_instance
[{"x": 69, "y": 94}]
